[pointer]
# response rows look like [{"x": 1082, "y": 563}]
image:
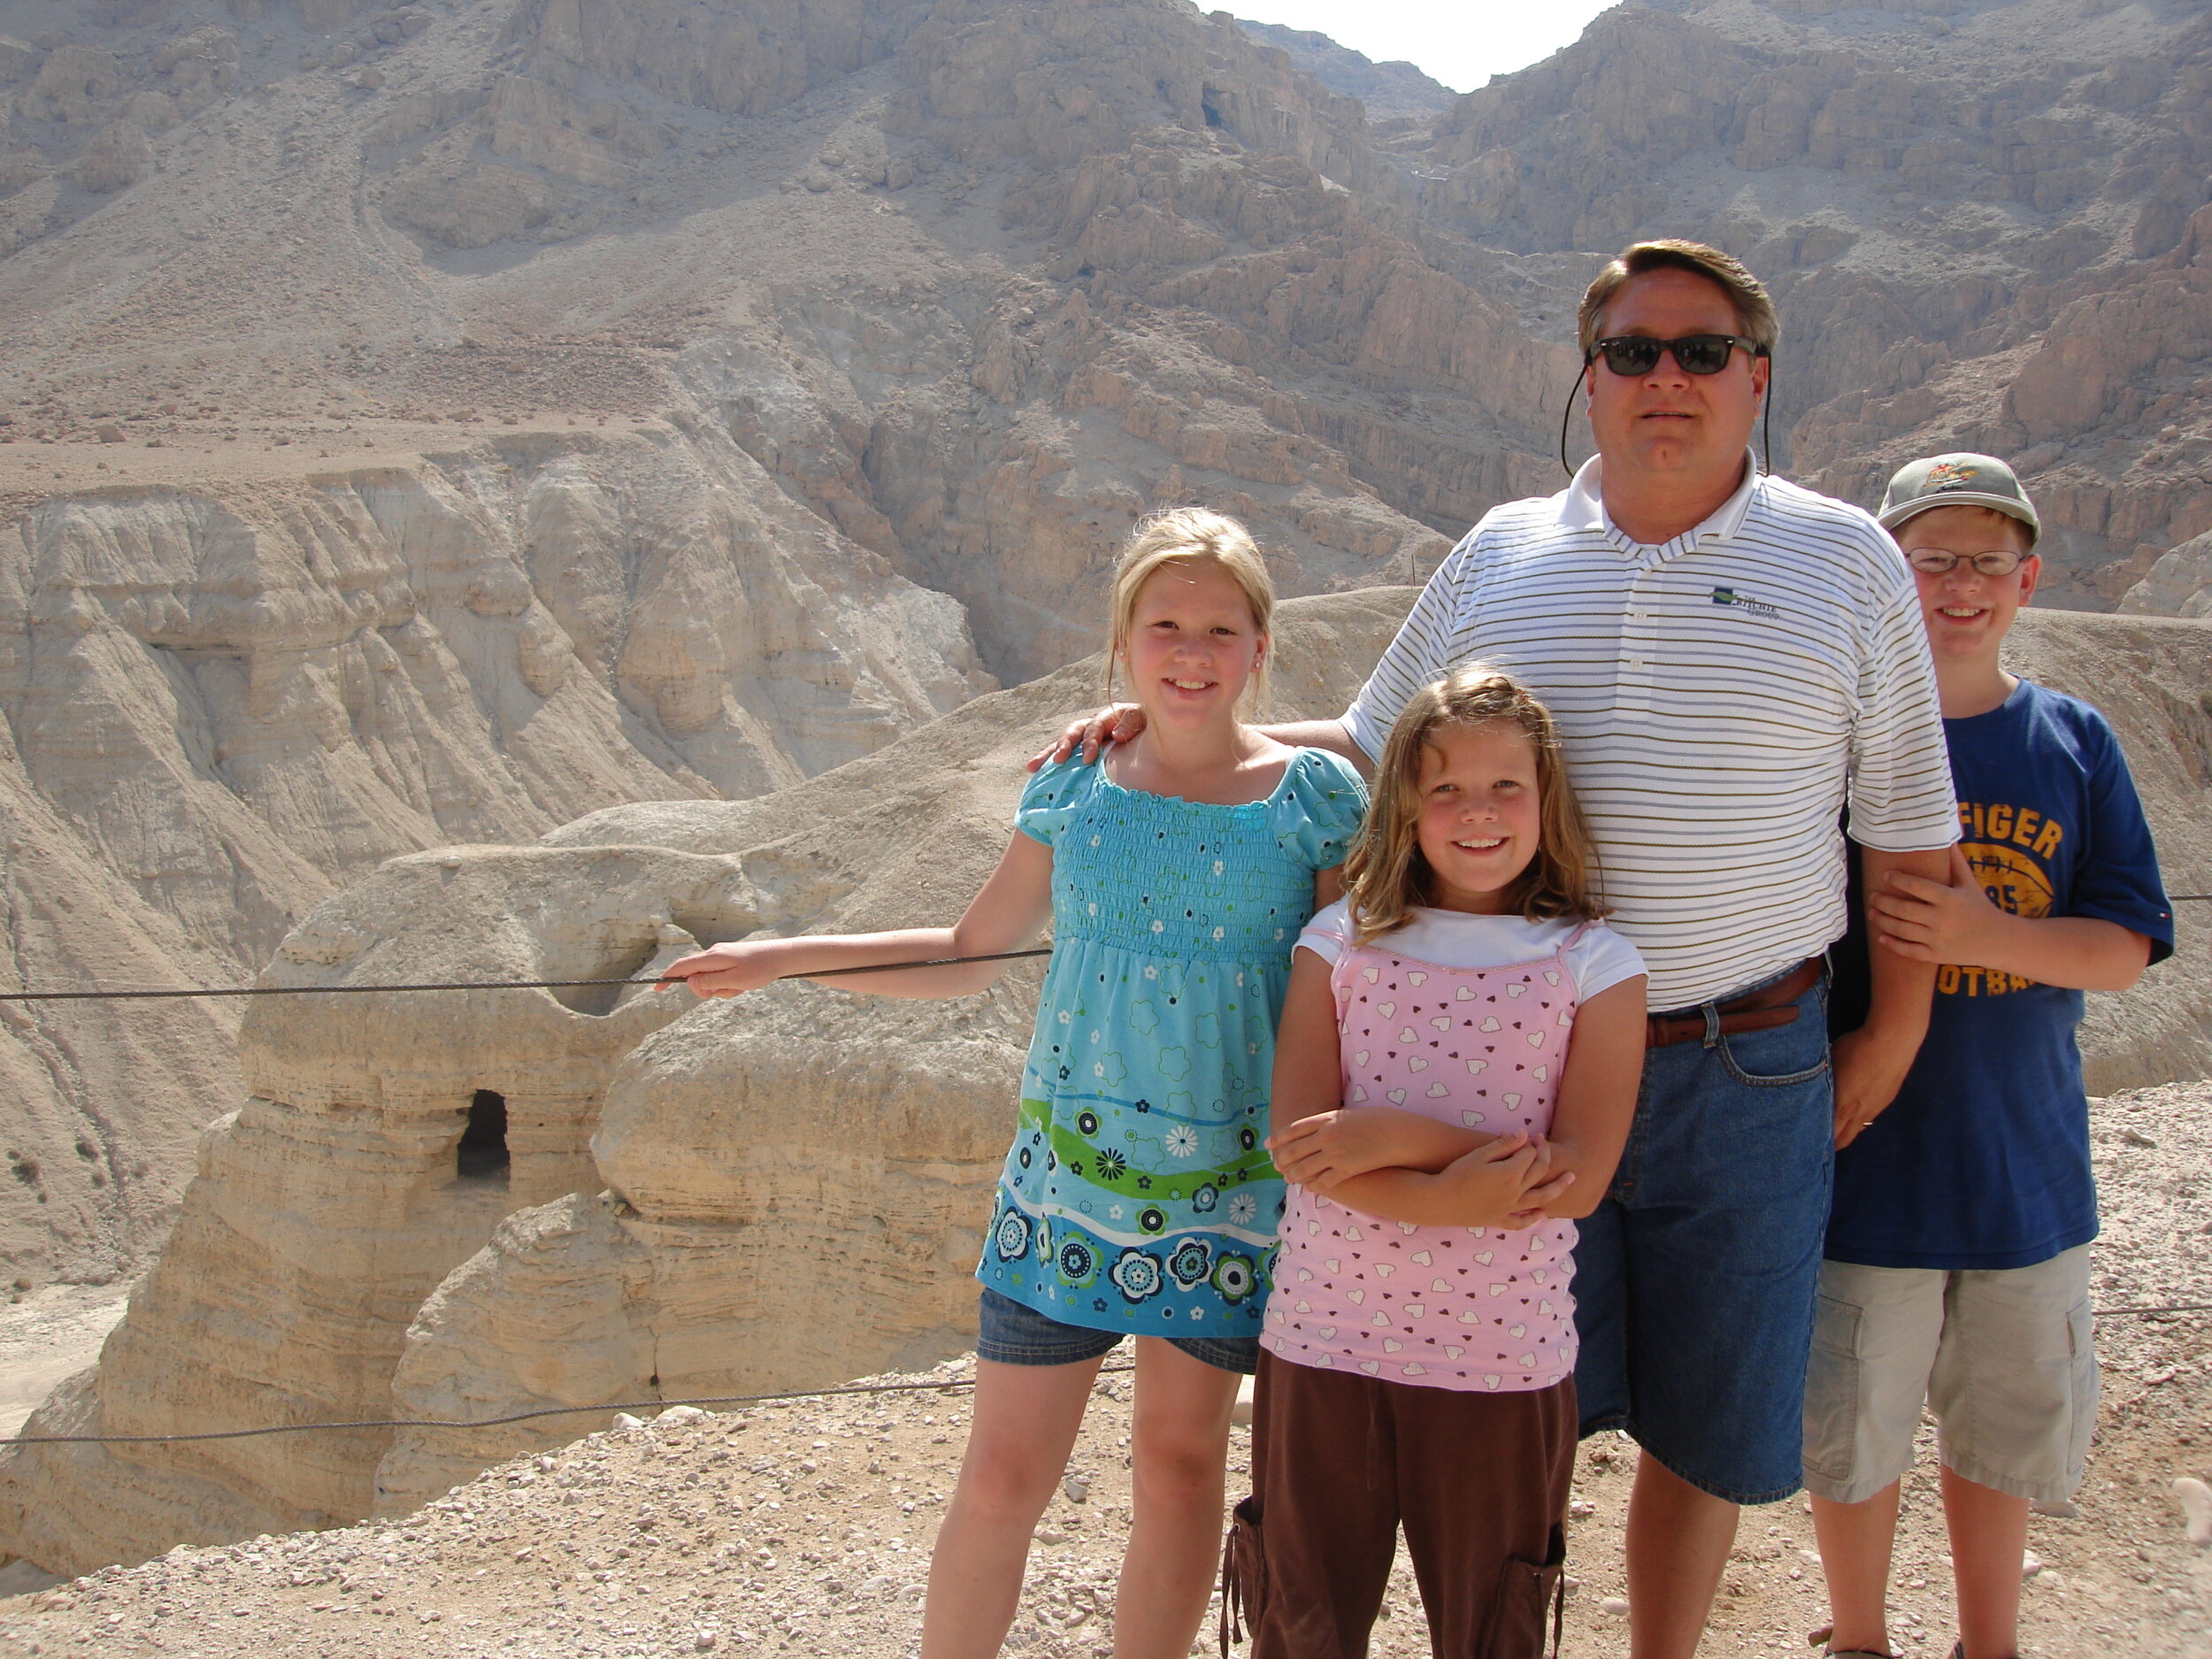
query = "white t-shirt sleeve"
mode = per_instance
[
  {"x": 1329, "y": 934},
  {"x": 1600, "y": 959}
]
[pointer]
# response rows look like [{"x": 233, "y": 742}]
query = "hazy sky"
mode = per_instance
[{"x": 1460, "y": 43}]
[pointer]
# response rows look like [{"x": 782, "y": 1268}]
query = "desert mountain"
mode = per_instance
[
  {"x": 430, "y": 424},
  {"x": 1387, "y": 92},
  {"x": 1979, "y": 220},
  {"x": 683, "y": 1187}
]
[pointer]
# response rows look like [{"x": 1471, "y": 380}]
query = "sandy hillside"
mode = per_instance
[{"x": 804, "y": 1526}]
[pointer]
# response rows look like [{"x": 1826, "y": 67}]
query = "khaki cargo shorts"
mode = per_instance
[{"x": 2002, "y": 1358}]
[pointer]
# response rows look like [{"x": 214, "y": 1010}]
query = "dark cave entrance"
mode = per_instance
[{"x": 482, "y": 1153}]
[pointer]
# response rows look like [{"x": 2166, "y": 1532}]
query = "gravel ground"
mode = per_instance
[{"x": 804, "y": 1527}]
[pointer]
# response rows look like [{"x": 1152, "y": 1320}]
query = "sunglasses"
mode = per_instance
[
  {"x": 1694, "y": 354},
  {"x": 1935, "y": 561}
]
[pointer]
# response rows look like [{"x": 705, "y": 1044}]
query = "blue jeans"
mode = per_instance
[
  {"x": 1014, "y": 1333},
  {"x": 1695, "y": 1279}
]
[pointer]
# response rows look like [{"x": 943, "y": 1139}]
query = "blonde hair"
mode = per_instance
[
  {"x": 1384, "y": 874},
  {"x": 1189, "y": 535},
  {"x": 1755, "y": 311}
]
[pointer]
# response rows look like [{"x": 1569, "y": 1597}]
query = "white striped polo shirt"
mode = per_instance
[{"x": 1719, "y": 695}]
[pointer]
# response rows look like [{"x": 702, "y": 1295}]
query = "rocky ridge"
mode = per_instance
[
  {"x": 426, "y": 423},
  {"x": 1391, "y": 92},
  {"x": 1980, "y": 222},
  {"x": 684, "y": 1182}
]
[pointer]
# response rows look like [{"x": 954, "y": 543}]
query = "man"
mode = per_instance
[{"x": 1731, "y": 659}]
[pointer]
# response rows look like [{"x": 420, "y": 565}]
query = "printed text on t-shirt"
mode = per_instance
[{"x": 2008, "y": 848}]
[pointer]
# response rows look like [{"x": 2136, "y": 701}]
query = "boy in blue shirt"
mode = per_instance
[{"x": 1958, "y": 1256}]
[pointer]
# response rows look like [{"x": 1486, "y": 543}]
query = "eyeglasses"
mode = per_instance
[
  {"x": 1935, "y": 561},
  {"x": 1695, "y": 354}
]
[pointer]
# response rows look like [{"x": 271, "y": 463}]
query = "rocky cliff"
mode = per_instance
[
  {"x": 425, "y": 423},
  {"x": 428, "y": 424},
  {"x": 1982, "y": 223},
  {"x": 686, "y": 1185}
]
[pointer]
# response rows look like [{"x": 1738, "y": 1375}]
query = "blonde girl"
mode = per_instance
[
  {"x": 1458, "y": 1064},
  {"x": 1137, "y": 1200}
]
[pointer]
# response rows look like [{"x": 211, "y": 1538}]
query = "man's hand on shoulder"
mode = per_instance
[{"x": 1117, "y": 723}]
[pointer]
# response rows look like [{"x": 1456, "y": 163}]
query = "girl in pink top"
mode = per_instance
[{"x": 1454, "y": 1080}]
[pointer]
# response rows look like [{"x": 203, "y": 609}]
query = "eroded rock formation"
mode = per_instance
[
  {"x": 382, "y": 1141},
  {"x": 430, "y": 423},
  {"x": 1979, "y": 220},
  {"x": 780, "y": 1191},
  {"x": 224, "y": 703}
]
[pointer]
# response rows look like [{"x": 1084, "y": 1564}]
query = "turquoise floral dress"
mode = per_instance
[{"x": 1138, "y": 1196}]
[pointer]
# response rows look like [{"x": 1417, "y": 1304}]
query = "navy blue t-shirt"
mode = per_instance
[{"x": 1982, "y": 1160}]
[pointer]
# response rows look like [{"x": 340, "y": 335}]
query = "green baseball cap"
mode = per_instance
[{"x": 1957, "y": 480}]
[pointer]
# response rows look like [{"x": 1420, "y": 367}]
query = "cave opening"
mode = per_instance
[{"x": 482, "y": 1153}]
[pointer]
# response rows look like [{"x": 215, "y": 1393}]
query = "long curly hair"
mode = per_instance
[{"x": 1385, "y": 872}]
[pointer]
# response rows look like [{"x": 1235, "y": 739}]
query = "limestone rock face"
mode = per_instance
[
  {"x": 118, "y": 158},
  {"x": 2152, "y": 677},
  {"x": 570, "y": 1290},
  {"x": 225, "y": 701},
  {"x": 780, "y": 1191},
  {"x": 385, "y": 661},
  {"x": 749, "y": 58},
  {"x": 761, "y": 1150},
  {"x": 381, "y": 1141},
  {"x": 1395, "y": 91},
  {"x": 2178, "y": 585}
]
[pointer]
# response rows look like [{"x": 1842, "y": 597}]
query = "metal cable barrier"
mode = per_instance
[
  {"x": 620, "y": 1405},
  {"x": 476, "y": 985},
  {"x": 515, "y": 1417},
  {"x": 559, "y": 984}
]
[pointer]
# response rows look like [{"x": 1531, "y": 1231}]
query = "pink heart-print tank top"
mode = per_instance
[{"x": 1470, "y": 1307}]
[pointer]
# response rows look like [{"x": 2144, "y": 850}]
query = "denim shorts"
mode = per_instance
[
  {"x": 1014, "y": 1333},
  {"x": 1696, "y": 1277}
]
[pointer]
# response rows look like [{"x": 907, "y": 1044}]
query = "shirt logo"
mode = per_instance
[{"x": 1743, "y": 602}]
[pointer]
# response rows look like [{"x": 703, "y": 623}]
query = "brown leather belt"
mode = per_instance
[{"x": 1763, "y": 1010}]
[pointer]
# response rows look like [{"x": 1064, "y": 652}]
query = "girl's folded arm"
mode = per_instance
[
  {"x": 1006, "y": 914},
  {"x": 1487, "y": 1187},
  {"x": 1597, "y": 1096},
  {"x": 1332, "y": 1146},
  {"x": 1402, "y": 1194}
]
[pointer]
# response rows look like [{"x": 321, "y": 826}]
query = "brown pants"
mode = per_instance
[{"x": 1339, "y": 1460}]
